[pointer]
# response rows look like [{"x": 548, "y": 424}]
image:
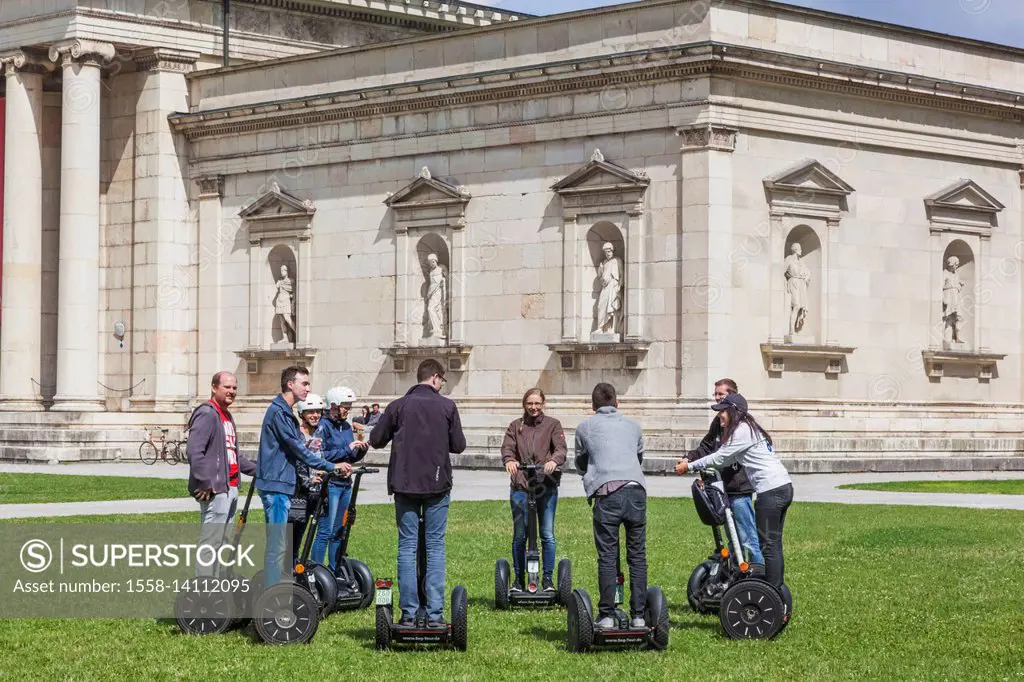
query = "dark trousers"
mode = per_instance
[
  {"x": 770, "y": 511},
  {"x": 298, "y": 530},
  {"x": 624, "y": 507}
]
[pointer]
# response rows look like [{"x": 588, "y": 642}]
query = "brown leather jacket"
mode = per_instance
[{"x": 534, "y": 442}]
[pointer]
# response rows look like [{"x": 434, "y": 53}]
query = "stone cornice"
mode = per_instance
[
  {"x": 423, "y": 14},
  {"x": 80, "y": 50},
  {"x": 706, "y": 59},
  {"x": 162, "y": 59}
]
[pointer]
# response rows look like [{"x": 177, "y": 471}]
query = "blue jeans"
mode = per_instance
[
  {"x": 546, "y": 504},
  {"x": 328, "y": 525},
  {"x": 746, "y": 527},
  {"x": 435, "y": 513},
  {"x": 275, "y": 510}
]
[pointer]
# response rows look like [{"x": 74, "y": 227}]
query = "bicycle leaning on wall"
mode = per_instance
[{"x": 170, "y": 451}]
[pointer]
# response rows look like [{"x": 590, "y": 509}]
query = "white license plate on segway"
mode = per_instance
[{"x": 383, "y": 597}]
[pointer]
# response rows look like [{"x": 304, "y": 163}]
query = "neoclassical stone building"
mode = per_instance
[{"x": 656, "y": 194}]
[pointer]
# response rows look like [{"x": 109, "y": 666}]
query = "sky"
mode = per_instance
[{"x": 996, "y": 21}]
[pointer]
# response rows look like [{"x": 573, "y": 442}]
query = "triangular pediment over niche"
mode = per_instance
[
  {"x": 962, "y": 207},
  {"x": 600, "y": 175},
  {"x": 967, "y": 195},
  {"x": 426, "y": 190},
  {"x": 276, "y": 204},
  {"x": 808, "y": 175}
]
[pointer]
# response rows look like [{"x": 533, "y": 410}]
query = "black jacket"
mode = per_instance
[
  {"x": 425, "y": 428},
  {"x": 735, "y": 476}
]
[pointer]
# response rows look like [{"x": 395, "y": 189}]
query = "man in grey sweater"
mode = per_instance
[{"x": 609, "y": 452}]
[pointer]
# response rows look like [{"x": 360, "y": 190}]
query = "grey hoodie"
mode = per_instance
[
  {"x": 609, "y": 447},
  {"x": 208, "y": 453}
]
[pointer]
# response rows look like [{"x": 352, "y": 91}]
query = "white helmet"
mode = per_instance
[
  {"x": 312, "y": 402},
  {"x": 339, "y": 395}
]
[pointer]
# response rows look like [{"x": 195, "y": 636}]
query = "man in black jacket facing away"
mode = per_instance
[
  {"x": 737, "y": 485},
  {"x": 423, "y": 427}
]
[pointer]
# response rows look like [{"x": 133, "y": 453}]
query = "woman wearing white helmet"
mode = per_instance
[
  {"x": 307, "y": 483},
  {"x": 339, "y": 445}
]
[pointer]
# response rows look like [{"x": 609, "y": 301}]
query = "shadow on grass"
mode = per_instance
[
  {"x": 556, "y": 636},
  {"x": 483, "y": 602},
  {"x": 711, "y": 624}
]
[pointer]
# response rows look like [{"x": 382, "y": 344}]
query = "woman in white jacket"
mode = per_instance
[{"x": 744, "y": 441}]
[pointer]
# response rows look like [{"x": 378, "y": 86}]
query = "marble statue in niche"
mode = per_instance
[
  {"x": 952, "y": 302},
  {"x": 798, "y": 280},
  {"x": 435, "y": 300},
  {"x": 609, "y": 301},
  {"x": 284, "y": 304}
]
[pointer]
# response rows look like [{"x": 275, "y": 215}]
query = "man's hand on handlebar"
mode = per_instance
[
  {"x": 549, "y": 468},
  {"x": 342, "y": 469},
  {"x": 512, "y": 467},
  {"x": 682, "y": 466}
]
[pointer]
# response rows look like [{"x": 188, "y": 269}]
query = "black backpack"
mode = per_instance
[{"x": 710, "y": 502}]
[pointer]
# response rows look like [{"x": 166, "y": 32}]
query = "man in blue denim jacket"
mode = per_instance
[
  {"x": 281, "y": 445},
  {"x": 339, "y": 446}
]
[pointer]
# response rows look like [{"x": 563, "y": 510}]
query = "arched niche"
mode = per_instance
[
  {"x": 434, "y": 289},
  {"x": 283, "y": 293},
  {"x": 803, "y": 273},
  {"x": 957, "y": 298},
  {"x": 597, "y": 299}
]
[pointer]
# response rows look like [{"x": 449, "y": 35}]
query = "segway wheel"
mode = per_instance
[
  {"x": 326, "y": 588},
  {"x": 564, "y": 581},
  {"x": 367, "y": 585},
  {"x": 460, "y": 618},
  {"x": 200, "y": 613},
  {"x": 383, "y": 628},
  {"x": 286, "y": 613},
  {"x": 656, "y": 615},
  {"x": 787, "y": 599},
  {"x": 695, "y": 586},
  {"x": 580, "y": 622},
  {"x": 501, "y": 584},
  {"x": 752, "y": 609}
]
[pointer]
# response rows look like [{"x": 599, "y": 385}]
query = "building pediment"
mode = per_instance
[
  {"x": 600, "y": 176},
  {"x": 276, "y": 214},
  {"x": 277, "y": 204},
  {"x": 807, "y": 188},
  {"x": 963, "y": 207},
  {"x": 427, "y": 191}
]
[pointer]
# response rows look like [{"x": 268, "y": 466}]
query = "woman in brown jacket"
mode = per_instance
[{"x": 534, "y": 439}]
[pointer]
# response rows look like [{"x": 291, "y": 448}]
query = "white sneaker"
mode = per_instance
[
  {"x": 606, "y": 623},
  {"x": 638, "y": 623}
]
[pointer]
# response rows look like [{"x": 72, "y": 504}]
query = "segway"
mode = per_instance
[
  {"x": 201, "y": 612},
  {"x": 532, "y": 595},
  {"x": 583, "y": 634},
  {"x": 353, "y": 580},
  {"x": 389, "y": 633},
  {"x": 748, "y": 606}
]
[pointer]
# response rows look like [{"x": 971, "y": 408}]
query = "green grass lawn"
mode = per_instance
[
  {"x": 880, "y": 593},
  {"x": 23, "y": 488},
  {"x": 1006, "y": 487}
]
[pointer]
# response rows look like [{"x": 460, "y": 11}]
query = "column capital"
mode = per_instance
[
  {"x": 25, "y": 60},
  {"x": 163, "y": 59},
  {"x": 211, "y": 186},
  {"x": 86, "y": 51},
  {"x": 703, "y": 136}
]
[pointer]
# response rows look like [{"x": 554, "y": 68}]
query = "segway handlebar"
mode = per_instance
[{"x": 361, "y": 470}]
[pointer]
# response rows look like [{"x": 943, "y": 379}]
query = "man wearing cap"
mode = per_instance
[
  {"x": 734, "y": 478},
  {"x": 609, "y": 452},
  {"x": 339, "y": 446}
]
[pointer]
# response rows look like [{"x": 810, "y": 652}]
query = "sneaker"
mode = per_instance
[
  {"x": 517, "y": 586},
  {"x": 638, "y": 622},
  {"x": 547, "y": 584},
  {"x": 437, "y": 625},
  {"x": 406, "y": 622},
  {"x": 757, "y": 570},
  {"x": 606, "y": 623}
]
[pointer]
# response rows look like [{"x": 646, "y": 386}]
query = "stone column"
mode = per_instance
[
  {"x": 570, "y": 279},
  {"x": 212, "y": 242},
  {"x": 403, "y": 304},
  {"x": 707, "y": 228},
  {"x": 457, "y": 283},
  {"x": 21, "y": 314},
  {"x": 79, "y": 281},
  {"x": 163, "y": 316}
]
